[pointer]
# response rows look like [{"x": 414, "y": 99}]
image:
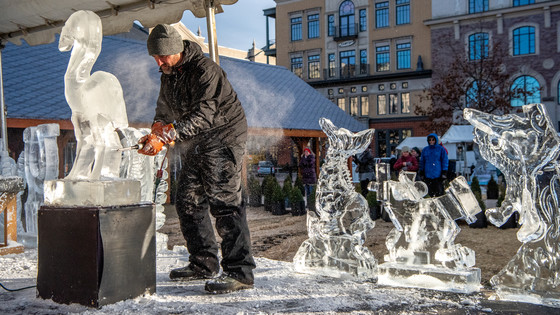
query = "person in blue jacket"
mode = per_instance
[{"x": 433, "y": 166}]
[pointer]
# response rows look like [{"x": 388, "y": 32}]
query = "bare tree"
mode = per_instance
[{"x": 474, "y": 77}]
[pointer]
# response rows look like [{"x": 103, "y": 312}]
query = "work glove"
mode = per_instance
[
  {"x": 160, "y": 136},
  {"x": 166, "y": 133},
  {"x": 150, "y": 145}
]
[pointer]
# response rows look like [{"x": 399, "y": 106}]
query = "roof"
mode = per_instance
[
  {"x": 458, "y": 133},
  {"x": 38, "y": 21},
  {"x": 272, "y": 96}
]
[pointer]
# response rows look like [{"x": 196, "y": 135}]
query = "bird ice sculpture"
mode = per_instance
[
  {"x": 526, "y": 149},
  {"x": 422, "y": 249},
  {"x": 96, "y": 100},
  {"x": 337, "y": 229}
]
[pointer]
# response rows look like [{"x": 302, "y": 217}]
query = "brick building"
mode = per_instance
[{"x": 529, "y": 29}]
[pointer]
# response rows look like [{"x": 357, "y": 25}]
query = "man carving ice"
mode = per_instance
[{"x": 198, "y": 102}]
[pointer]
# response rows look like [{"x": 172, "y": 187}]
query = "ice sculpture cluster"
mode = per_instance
[
  {"x": 337, "y": 229},
  {"x": 526, "y": 149},
  {"x": 40, "y": 160},
  {"x": 422, "y": 252},
  {"x": 96, "y": 100}
]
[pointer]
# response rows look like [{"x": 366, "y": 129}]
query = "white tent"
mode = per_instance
[
  {"x": 411, "y": 142},
  {"x": 458, "y": 134}
]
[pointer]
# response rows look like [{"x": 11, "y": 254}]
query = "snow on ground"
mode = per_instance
[{"x": 278, "y": 289}]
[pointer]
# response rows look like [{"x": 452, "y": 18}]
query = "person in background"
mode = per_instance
[
  {"x": 406, "y": 162},
  {"x": 198, "y": 109},
  {"x": 433, "y": 166},
  {"x": 366, "y": 171},
  {"x": 416, "y": 153},
  {"x": 308, "y": 172}
]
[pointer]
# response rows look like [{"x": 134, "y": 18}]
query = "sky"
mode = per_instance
[{"x": 238, "y": 25}]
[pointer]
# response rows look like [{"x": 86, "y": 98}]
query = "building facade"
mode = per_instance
[
  {"x": 370, "y": 57},
  {"x": 528, "y": 29}
]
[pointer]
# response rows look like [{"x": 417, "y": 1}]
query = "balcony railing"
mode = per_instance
[
  {"x": 346, "y": 32},
  {"x": 346, "y": 72}
]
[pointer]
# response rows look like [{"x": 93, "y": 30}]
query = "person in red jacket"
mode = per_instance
[{"x": 406, "y": 162}]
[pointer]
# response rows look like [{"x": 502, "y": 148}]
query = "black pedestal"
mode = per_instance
[{"x": 96, "y": 255}]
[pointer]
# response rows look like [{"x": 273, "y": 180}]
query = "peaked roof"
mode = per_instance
[{"x": 272, "y": 96}]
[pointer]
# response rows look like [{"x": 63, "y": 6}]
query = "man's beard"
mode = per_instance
[{"x": 166, "y": 69}]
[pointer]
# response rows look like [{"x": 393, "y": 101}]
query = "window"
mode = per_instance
[
  {"x": 476, "y": 6},
  {"x": 524, "y": 40},
  {"x": 313, "y": 26},
  {"x": 363, "y": 62},
  {"x": 332, "y": 66},
  {"x": 405, "y": 103},
  {"x": 393, "y": 103},
  {"x": 330, "y": 25},
  {"x": 313, "y": 67},
  {"x": 342, "y": 103},
  {"x": 389, "y": 139},
  {"x": 364, "y": 100},
  {"x": 382, "y": 14},
  {"x": 354, "y": 106},
  {"x": 479, "y": 92},
  {"x": 403, "y": 56},
  {"x": 382, "y": 58},
  {"x": 297, "y": 66},
  {"x": 296, "y": 28},
  {"x": 363, "y": 20},
  {"x": 347, "y": 23},
  {"x": 478, "y": 46},
  {"x": 526, "y": 90},
  {"x": 347, "y": 63},
  {"x": 381, "y": 104},
  {"x": 517, "y": 3},
  {"x": 403, "y": 12}
]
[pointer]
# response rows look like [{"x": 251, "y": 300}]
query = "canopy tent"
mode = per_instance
[
  {"x": 458, "y": 134},
  {"x": 37, "y": 22},
  {"x": 411, "y": 142}
]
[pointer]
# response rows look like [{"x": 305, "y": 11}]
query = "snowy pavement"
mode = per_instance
[{"x": 278, "y": 289}]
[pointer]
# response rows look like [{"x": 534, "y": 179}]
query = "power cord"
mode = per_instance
[{"x": 13, "y": 290}]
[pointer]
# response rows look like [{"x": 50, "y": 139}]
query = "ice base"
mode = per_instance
[
  {"x": 113, "y": 192},
  {"x": 547, "y": 298},
  {"x": 429, "y": 277}
]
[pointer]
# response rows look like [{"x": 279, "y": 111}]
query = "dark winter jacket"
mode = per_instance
[
  {"x": 365, "y": 162},
  {"x": 402, "y": 162},
  {"x": 201, "y": 103},
  {"x": 307, "y": 167},
  {"x": 434, "y": 159}
]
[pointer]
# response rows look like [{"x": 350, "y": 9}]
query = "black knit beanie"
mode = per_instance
[{"x": 164, "y": 40}]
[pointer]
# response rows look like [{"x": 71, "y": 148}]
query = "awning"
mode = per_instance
[{"x": 38, "y": 21}]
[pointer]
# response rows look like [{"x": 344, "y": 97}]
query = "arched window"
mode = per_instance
[
  {"x": 524, "y": 40},
  {"x": 347, "y": 19},
  {"x": 478, "y": 46},
  {"x": 558, "y": 93},
  {"x": 526, "y": 90},
  {"x": 478, "y": 93}
]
